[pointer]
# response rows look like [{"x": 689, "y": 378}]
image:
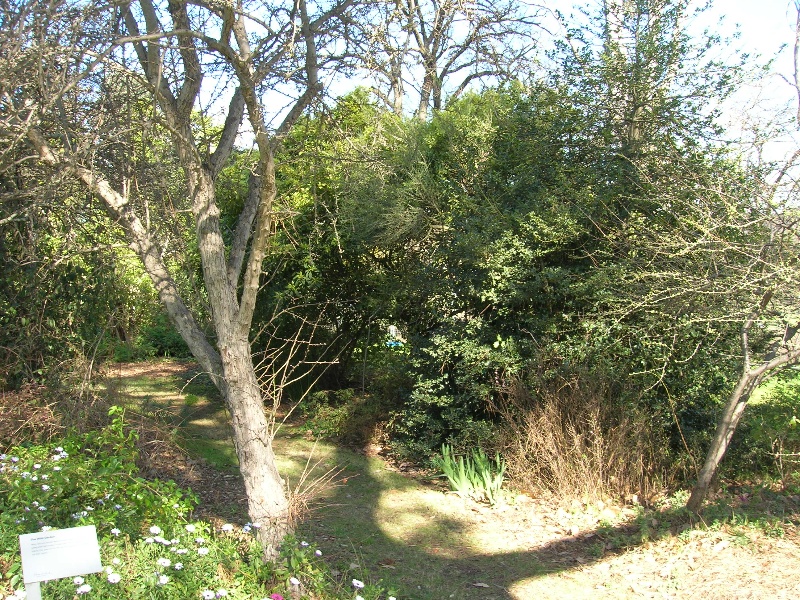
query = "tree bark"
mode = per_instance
[{"x": 268, "y": 505}]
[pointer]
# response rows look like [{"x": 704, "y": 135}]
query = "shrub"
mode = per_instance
[
  {"x": 162, "y": 338},
  {"x": 353, "y": 419}
]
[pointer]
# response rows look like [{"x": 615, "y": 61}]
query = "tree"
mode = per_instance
[
  {"x": 706, "y": 255},
  {"x": 695, "y": 248},
  {"x": 648, "y": 82},
  {"x": 60, "y": 61},
  {"x": 774, "y": 311},
  {"x": 440, "y": 47}
]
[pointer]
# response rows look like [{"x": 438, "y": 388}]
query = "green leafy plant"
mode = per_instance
[{"x": 476, "y": 476}]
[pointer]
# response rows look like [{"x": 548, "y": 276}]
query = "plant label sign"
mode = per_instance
[{"x": 56, "y": 554}]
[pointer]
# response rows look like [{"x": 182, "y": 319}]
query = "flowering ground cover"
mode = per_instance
[{"x": 151, "y": 544}]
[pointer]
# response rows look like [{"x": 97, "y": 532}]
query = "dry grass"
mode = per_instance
[
  {"x": 574, "y": 441},
  {"x": 25, "y": 416}
]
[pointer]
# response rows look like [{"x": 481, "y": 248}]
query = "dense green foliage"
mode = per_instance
[
  {"x": 491, "y": 238},
  {"x": 585, "y": 229}
]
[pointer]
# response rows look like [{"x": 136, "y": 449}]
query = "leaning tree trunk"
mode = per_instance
[
  {"x": 722, "y": 438},
  {"x": 784, "y": 352}
]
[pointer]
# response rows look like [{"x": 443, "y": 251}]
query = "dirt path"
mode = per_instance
[{"x": 380, "y": 523}]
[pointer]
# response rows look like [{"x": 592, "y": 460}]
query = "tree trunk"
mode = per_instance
[
  {"x": 425, "y": 97},
  {"x": 722, "y": 438},
  {"x": 268, "y": 505}
]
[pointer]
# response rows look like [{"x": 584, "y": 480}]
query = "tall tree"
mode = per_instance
[
  {"x": 702, "y": 252},
  {"x": 439, "y": 47},
  {"x": 183, "y": 56},
  {"x": 769, "y": 332},
  {"x": 649, "y": 83}
]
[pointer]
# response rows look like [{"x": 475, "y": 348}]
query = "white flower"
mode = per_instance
[
  {"x": 78, "y": 580},
  {"x": 208, "y": 595},
  {"x": 84, "y": 589},
  {"x": 227, "y": 527},
  {"x": 37, "y": 466},
  {"x": 246, "y": 529},
  {"x": 163, "y": 562},
  {"x": 45, "y": 487},
  {"x": 115, "y": 531},
  {"x": 200, "y": 540},
  {"x": 56, "y": 468},
  {"x": 202, "y": 551},
  {"x": 191, "y": 528},
  {"x": 358, "y": 584},
  {"x": 181, "y": 551},
  {"x": 222, "y": 592},
  {"x": 116, "y": 561},
  {"x": 392, "y": 598},
  {"x": 318, "y": 552},
  {"x": 294, "y": 581},
  {"x": 304, "y": 544},
  {"x": 109, "y": 569},
  {"x": 46, "y": 528},
  {"x": 359, "y": 597},
  {"x": 114, "y": 578},
  {"x": 149, "y": 540},
  {"x": 155, "y": 530},
  {"x": 163, "y": 580},
  {"x": 178, "y": 566}
]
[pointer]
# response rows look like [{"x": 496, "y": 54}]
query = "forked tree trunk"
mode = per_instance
[{"x": 722, "y": 438}]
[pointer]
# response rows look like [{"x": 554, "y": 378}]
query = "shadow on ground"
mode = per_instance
[{"x": 427, "y": 545}]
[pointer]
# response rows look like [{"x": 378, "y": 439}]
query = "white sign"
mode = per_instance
[{"x": 60, "y": 553}]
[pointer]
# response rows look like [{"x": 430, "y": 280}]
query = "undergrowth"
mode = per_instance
[
  {"x": 573, "y": 441},
  {"x": 151, "y": 546}
]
